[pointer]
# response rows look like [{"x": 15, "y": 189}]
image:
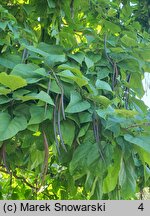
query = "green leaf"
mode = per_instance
[
  {"x": 4, "y": 91},
  {"x": 111, "y": 26},
  {"x": 68, "y": 131},
  {"x": 74, "y": 70},
  {"x": 130, "y": 42},
  {"x": 83, "y": 130},
  {"x": 141, "y": 141},
  {"x": 111, "y": 179},
  {"x": 10, "y": 61},
  {"x": 103, "y": 72},
  {"x": 127, "y": 179},
  {"x": 53, "y": 54},
  {"x": 84, "y": 156},
  {"x": 139, "y": 104},
  {"x": 51, "y": 3},
  {"x": 42, "y": 96},
  {"x": 76, "y": 103},
  {"x": 30, "y": 72},
  {"x": 78, "y": 57},
  {"x": 89, "y": 62},
  {"x": 85, "y": 117},
  {"x": 89, "y": 181},
  {"x": 36, "y": 50},
  {"x": 130, "y": 65},
  {"x": 4, "y": 99},
  {"x": 11, "y": 81},
  {"x": 144, "y": 155},
  {"x": 137, "y": 86},
  {"x": 112, "y": 12},
  {"x": 103, "y": 85},
  {"x": 53, "y": 59},
  {"x": 81, "y": 81},
  {"x": 3, "y": 25},
  {"x": 36, "y": 157},
  {"x": 10, "y": 127},
  {"x": 38, "y": 114},
  {"x": 104, "y": 113}
]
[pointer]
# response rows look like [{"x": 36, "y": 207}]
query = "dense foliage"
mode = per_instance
[{"x": 72, "y": 122}]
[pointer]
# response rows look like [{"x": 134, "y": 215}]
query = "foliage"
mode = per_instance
[{"x": 72, "y": 122}]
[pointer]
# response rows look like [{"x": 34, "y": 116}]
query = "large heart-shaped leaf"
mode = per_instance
[
  {"x": 43, "y": 96},
  {"x": 81, "y": 81},
  {"x": 127, "y": 178},
  {"x": 11, "y": 81},
  {"x": 10, "y": 61},
  {"x": 78, "y": 57},
  {"x": 10, "y": 127},
  {"x": 4, "y": 91},
  {"x": 4, "y": 99},
  {"x": 38, "y": 114},
  {"x": 51, "y": 53},
  {"x": 111, "y": 179},
  {"x": 68, "y": 126},
  {"x": 141, "y": 141},
  {"x": 103, "y": 85},
  {"x": 76, "y": 103},
  {"x": 30, "y": 72},
  {"x": 84, "y": 156}
]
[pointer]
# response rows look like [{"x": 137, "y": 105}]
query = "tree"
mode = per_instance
[{"x": 72, "y": 122}]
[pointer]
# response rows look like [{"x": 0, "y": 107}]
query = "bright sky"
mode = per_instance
[{"x": 146, "y": 84}]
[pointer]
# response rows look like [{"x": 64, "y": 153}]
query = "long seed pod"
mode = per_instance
[
  {"x": 46, "y": 150},
  {"x": 126, "y": 93},
  {"x": 96, "y": 134},
  {"x": 62, "y": 93},
  {"x": 54, "y": 124},
  {"x": 48, "y": 89},
  {"x": 113, "y": 64},
  {"x": 59, "y": 129}
]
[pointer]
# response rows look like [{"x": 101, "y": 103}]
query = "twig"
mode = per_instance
[
  {"x": 20, "y": 178},
  {"x": 24, "y": 181}
]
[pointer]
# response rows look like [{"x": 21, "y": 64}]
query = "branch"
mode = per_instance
[
  {"x": 20, "y": 178},
  {"x": 24, "y": 181}
]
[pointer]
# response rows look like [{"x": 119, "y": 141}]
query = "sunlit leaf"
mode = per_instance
[{"x": 11, "y": 81}]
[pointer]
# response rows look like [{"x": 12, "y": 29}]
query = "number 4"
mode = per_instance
[{"x": 141, "y": 207}]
